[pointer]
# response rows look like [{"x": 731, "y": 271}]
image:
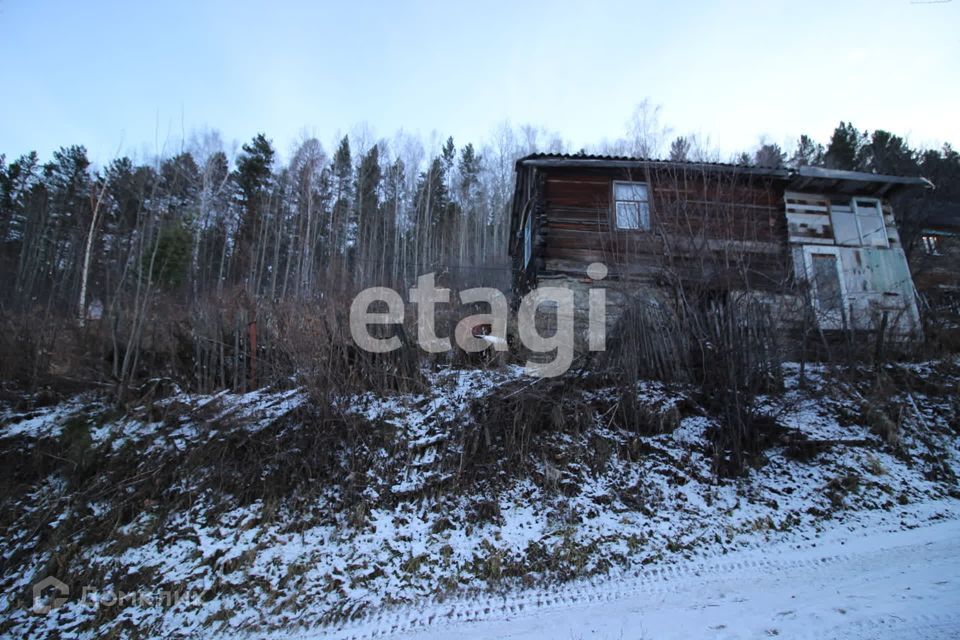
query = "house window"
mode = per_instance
[
  {"x": 931, "y": 244},
  {"x": 631, "y": 205},
  {"x": 873, "y": 230},
  {"x": 859, "y": 224}
]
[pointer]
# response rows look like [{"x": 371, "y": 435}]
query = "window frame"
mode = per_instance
[
  {"x": 883, "y": 222},
  {"x": 931, "y": 244},
  {"x": 640, "y": 228},
  {"x": 855, "y": 211}
]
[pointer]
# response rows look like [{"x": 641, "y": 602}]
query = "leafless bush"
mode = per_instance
[
  {"x": 645, "y": 345},
  {"x": 736, "y": 358},
  {"x": 315, "y": 347},
  {"x": 286, "y": 464},
  {"x": 512, "y": 425},
  {"x": 726, "y": 346},
  {"x": 43, "y": 351}
]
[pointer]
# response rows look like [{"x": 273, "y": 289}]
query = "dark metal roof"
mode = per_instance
[
  {"x": 626, "y": 162},
  {"x": 942, "y": 215},
  {"x": 802, "y": 178},
  {"x": 852, "y": 182}
]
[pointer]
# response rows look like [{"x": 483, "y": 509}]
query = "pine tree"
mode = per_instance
[
  {"x": 844, "y": 147},
  {"x": 886, "y": 153},
  {"x": 680, "y": 149},
  {"x": 342, "y": 184},
  {"x": 394, "y": 203},
  {"x": 17, "y": 183},
  {"x": 808, "y": 153},
  {"x": 180, "y": 183},
  {"x": 469, "y": 203},
  {"x": 61, "y": 223},
  {"x": 436, "y": 212},
  {"x": 370, "y": 239},
  {"x": 254, "y": 179},
  {"x": 769, "y": 155}
]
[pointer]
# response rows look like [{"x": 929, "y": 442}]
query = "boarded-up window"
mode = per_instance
[{"x": 632, "y": 205}]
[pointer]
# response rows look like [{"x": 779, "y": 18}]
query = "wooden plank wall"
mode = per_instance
[{"x": 730, "y": 226}]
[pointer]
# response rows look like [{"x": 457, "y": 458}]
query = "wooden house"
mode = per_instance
[{"x": 801, "y": 240}]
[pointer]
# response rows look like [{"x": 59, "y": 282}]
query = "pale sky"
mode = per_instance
[{"x": 125, "y": 75}]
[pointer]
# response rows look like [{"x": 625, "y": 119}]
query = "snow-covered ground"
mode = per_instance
[
  {"x": 867, "y": 585},
  {"x": 599, "y": 531}
]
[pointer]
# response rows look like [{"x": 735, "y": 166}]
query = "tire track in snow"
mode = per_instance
[
  {"x": 654, "y": 581},
  {"x": 891, "y": 627}
]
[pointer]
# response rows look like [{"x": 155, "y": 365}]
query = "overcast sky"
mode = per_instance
[{"x": 125, "y": 75}]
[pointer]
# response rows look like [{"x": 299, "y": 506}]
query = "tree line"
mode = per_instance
[{"x": 186, "y": 237}]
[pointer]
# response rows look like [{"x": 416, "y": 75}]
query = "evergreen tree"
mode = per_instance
[
  {"x": 844, "y": 147},
  {"x": 342, "y": 184},
  {"x": 769, "y": 155},
  {"x": 436, "y": 211},
  {"x": 62, "y": 222},
  {"x": 17, "y": 185},
  {"x": 370, "y": 233},
  {"x": 254, "y": 179},
  {"x": 169, "y": 264},
  {"x": 468, "y": 171},
  {"x": 886, "y": 153},
  {"x": 394, "y": 202},
  {"x": 470, "y": 204},
  {"x": 180, "y": 182},
  {"x": 680, "y": 149},
  {"x": 808, "y": 153}
]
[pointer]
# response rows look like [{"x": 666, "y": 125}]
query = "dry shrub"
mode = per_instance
[
  {"x": 287, "y": 464},
  {"x": 646, "y": 345},
  {"x": 314, "y": 344},
  {"x": 739, "y": 358},
  {"x": 512, "y": 423},
  {"x": 220, "y": 341},
  {"x": 40, "y": 350},
  {"x": 725, "y": 345},
  {"x": 644, "y": 417}
]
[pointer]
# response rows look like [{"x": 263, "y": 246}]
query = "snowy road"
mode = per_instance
[{"x": 903, "y": 584}]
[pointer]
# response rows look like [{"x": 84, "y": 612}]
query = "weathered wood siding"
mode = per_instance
[{"x": 701, "y": 225}]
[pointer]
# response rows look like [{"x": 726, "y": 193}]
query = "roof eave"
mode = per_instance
[
  {"x": 861, "y": 176},
  {"x": 598, "y": 163}
]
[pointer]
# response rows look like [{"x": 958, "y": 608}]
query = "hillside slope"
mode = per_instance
[{"x": 279, "y": 511}]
